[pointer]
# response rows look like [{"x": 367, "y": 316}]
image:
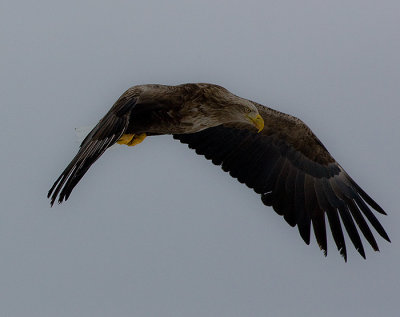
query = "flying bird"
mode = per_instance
[{"x": 275, "y": 154}]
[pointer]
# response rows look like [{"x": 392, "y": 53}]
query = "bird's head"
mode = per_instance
[
  {"x": 218, "y": 106},
  {"x": 246, "y": 112}
]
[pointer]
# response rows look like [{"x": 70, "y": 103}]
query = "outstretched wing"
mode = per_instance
[
  {"x": 295, "y": 174},
  {"x": 108, "y": 131}
]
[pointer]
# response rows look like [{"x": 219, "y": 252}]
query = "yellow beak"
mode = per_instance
[{"x": 257, "y": 121}]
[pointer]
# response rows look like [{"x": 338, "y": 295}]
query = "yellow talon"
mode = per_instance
[
  {"x": 131, "y": 139},
  {"x": 126, "y": 138},
  {"x": 136, "y": 139}
]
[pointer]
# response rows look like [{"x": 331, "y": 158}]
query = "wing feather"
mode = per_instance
[
  {"x": 295, "y": 174},
  {"x": 108, "y": 131},
  {"x": 290, "y": 189},
  {"x": 303, "y": 219}
]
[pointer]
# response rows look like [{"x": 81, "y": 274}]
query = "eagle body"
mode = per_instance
[
  {"x": 275, "y": 154},
  {"x": 188, "y": 108}
]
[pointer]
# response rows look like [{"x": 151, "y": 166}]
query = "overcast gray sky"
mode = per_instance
[{"x": 155, "y": 230}]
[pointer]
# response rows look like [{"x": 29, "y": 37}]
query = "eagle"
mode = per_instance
[{"x": 273, "y": 153}]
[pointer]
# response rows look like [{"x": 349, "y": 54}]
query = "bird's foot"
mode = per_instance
[{"x": 131, "y": 139}]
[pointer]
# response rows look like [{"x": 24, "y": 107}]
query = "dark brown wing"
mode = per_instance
[
  {"x": 109, "y": 130},
  {"x": 295, "y": 174}
]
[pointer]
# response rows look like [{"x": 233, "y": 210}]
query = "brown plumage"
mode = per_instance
[{"x": 285, "y": 162}]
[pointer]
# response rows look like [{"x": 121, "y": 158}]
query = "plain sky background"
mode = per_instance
[{"x": 156, "y": 230}]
